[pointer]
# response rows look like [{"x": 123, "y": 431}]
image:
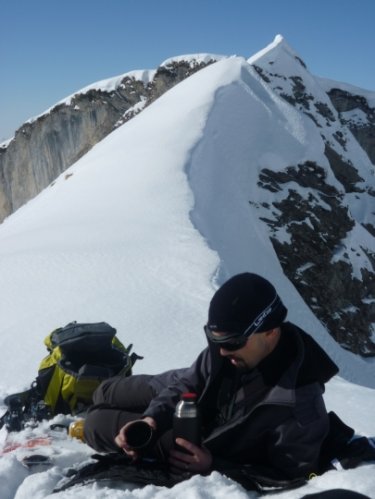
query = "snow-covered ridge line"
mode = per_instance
[
  {"x": 108, "y": 85},
  {"x": 112, "y": 84},
  {"x": 194, "y": 59},
  {"x": 144, "y": 75}
]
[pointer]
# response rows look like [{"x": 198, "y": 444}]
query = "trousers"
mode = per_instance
[{"x": 118, "y": 401}]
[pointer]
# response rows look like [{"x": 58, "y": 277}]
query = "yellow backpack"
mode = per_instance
[{"x": 80, "y": 357}]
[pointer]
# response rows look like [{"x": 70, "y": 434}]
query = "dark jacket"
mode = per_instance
[{"x": 271, "y": 417}]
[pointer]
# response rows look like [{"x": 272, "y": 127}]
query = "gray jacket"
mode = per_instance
[{"x": 274, "y": 416}]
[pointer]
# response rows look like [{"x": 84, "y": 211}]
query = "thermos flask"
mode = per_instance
[{"x": 186, "y": 421}]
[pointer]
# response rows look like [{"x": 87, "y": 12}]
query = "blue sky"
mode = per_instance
[{"x": 52, "y": 48}]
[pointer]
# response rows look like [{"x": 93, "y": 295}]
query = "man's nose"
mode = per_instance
[{"x": 223, "y": 352}]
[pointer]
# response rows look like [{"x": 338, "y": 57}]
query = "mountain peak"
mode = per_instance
[{"x": 278, "y": 51}]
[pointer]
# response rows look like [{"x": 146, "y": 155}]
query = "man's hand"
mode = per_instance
[
  {"x": 199, "y": 459},
  {"x": 121, "y": 441}
]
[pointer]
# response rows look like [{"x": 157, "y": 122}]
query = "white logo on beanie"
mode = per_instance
[
  {"x": 258, "y": 321},
  {"x": 261, "y": 317}
]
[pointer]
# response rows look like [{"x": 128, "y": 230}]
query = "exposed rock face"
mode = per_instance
[
  {"x": 312, "y": 226},
  {"x": 309, "y": 258},
  {"x": 42, "y": 149},
  {"x": 355, "y": 112}
]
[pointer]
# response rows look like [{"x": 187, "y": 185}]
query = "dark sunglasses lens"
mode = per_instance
[
  {"x": 230, "y": 346},
  {"x": 212, "y": 335},
  {"x": 226, "y": 341}
]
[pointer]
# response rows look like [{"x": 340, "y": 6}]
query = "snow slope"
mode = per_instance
[{"x": 139, "y": 233}]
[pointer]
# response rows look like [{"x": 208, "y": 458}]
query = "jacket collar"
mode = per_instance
[{"x": 309, "y": 364}]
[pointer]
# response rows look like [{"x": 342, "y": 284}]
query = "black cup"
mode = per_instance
[{"x": 138, "y": 434}]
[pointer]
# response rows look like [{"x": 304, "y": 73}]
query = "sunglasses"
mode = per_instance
[{"x": 228, "y": 341}]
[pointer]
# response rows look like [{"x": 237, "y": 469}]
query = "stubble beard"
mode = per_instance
[{"x": 239, "y": 364}]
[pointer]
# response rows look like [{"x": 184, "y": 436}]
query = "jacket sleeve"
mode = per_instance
[{"x": 192, "y": 379}]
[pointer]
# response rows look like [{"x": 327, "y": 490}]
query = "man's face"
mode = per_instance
[{"x": 257, "y": 347}]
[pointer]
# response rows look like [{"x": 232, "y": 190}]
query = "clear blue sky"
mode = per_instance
[{"x": 52, "y": 48}]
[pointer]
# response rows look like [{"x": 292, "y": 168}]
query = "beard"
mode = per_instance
[{"x": 238, "y": 363}]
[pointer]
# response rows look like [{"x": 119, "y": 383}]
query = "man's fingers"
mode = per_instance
[
  {"x": 150, "y": 421},
  {"x": 198, "y": 459},
  {"x": 181, "y": 456},
  {"x": 120, "y": 441},
  {"x": 192, "y": 448}
]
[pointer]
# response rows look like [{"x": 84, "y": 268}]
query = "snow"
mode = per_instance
[
  {"x": 194, "y": 59},
  {"x": 356, "y": 117},
  {"x": 6, "y": 143},
  {"x": 137, "y": 107},
  {"x": 139, "y": 233},
  {"x": 270, "y": 51}
]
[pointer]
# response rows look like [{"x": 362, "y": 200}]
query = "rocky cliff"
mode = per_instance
[{"x": 45, "y": 147}]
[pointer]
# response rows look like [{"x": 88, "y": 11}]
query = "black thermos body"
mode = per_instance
[{"x": 186, "y": 420}]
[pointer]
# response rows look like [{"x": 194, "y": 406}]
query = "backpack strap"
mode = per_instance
[{"x": 22, "y": 407}]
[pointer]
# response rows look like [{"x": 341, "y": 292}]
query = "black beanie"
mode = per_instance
[{"x": 246, "y": 302}]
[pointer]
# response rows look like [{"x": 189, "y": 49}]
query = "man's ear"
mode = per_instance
[
  {"x": 273, "y": 332},
  {"x": 273, "y": 335}
]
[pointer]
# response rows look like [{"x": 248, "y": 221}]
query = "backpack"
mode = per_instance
[{"x": 80, "y": 357}]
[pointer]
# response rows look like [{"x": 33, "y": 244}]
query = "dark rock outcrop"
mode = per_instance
[
  {"x": 315, "y": 259},
  {"x": 363, "y": 130}
]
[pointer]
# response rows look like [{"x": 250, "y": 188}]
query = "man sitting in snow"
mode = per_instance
[{"x": 259, "y": 383}]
